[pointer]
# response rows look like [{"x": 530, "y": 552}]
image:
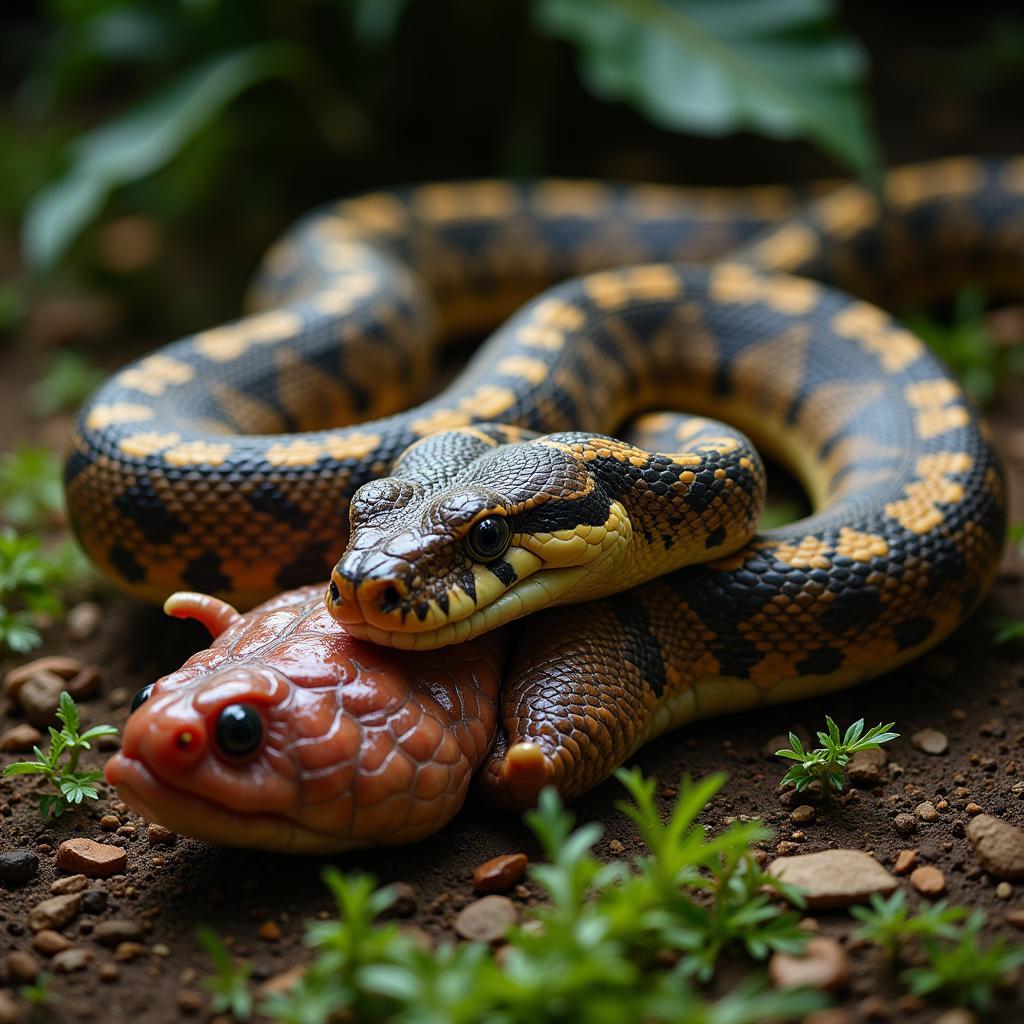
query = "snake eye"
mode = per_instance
[
  {"x": 488, "y": 539},
  {"x": 140, "y": 698},
  {"x": 239, "y": 730}
]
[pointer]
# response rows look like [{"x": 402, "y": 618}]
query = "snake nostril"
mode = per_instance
[{"x": 390, "y": 599}]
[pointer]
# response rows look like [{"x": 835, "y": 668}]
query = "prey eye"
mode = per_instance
[
  {"x": 239, "y": 730},
  {"x": 140, "y": 698},
  {"x": 488, "y": 539}
]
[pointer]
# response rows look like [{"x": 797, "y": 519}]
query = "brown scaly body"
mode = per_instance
[{"x": 181, "y": 474}]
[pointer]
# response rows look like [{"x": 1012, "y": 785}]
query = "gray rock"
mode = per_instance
[{"x": 834, "y": 878}]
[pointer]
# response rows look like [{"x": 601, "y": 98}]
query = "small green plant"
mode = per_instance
[
  {"x": 39, "y": 993},
  {"x": 68, "y": 380},
  {"x": 60, "y": 763},
  {"x": 827, "y": 764},
  {"x": 592, "y": 952},
  {"x": 30, "y": 486},
  {"x": 31, "y": 582},
  {"x": 966, "y": 971},
  {"x": 889, "y": 923},
  {"x": 229, "y": 987}
]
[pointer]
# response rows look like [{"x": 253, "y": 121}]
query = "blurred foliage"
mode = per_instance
[
  {"x": 966, "y": 343},
  {"x": 777, "y": 66},
  {"x": 67, "y": 381},
  {"x": 348, "y": 84}
]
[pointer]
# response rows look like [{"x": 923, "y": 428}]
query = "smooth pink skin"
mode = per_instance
[{"x": 363, "y": 745}]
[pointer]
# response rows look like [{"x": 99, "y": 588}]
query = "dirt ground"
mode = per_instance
[{"x": 967, "y": 689}]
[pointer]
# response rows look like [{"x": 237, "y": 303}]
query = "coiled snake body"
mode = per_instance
[{"x": 214, "y": 465}]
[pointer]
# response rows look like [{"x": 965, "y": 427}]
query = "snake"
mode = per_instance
[{"x": 576, "y": 471}]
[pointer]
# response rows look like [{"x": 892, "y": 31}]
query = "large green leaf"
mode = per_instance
[
  {"x": 140, "y": 142},
  {"x": 779, "y": 67}
]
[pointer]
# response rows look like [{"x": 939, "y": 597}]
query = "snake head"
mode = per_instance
[
  {"x": 432, "y": 562},
  {"x": 290, "y": 734}
]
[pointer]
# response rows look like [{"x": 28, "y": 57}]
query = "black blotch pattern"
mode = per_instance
[
  {"x": 143, "y": 506},
  {"x": 124, "y": 562},
  {"x": 205, "y": 574},
  {"x": 641, "y": 648},
  {"x": 310, "y": 565},
  {"x": 272, "y": 501},
  {"x": 504, "y": 571},
  {"x": 716, "y": 537}
]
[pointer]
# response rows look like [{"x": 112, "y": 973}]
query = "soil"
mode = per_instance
[{"x": 968, "y": 689}]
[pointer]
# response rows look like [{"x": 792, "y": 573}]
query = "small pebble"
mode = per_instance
[
  {"x": 128, "y": 951},
  {"x": 926, "y": 811},
  {"x": 59, "y": 665},
  {"x": 9, "y": 1012},
  {"x": 928, "y": 881},
  {"x": 1016, "y": 918},
  {"x": 616, "y": 847},
  {"x": 499, "y": 874},
  {"x": 406, "y": 899},
  {"x": 68, "y": 883},
  {"x": 97, "y": 860},
  {"x": 94, "y": 901},
  {"x": 284, "y": 982},
  {"x": 49, "y": 942},
  {"x": 958, "y": 1015},
  {"x": 55, "y": 912},
  {"x": 161, "y": 949},
  {"x": 22, "y": 967},
  {"x": 1004, "y": 890},
  {"x": 21, "y": 738},
  {"x": 973, "y": 808},
  {"x": 486, "y": 919},
  {"x": 18, "y": 867},
  {"x": 109, "y": 822},
  {"x": 112, "y": 933},
  {"x": 189, "y": 1001},
  {"x": 906, "y": 861},
  {"x": 803, "y": 815},
  {"x": 823, "y": 965},
  {"x": 70, "y": 960},
  {"x": 158, "y": 835},
  {"x": 39, "y": 698},
  {"x": 85, "y": 684},
  {"x": 998, "y": 846},
  {"x": 270, "y": 931},
  {"x": 930, "y": 741},
  {"x": 83, "y": 620},
  {"x": 109, "y": 972},
  {"x": 904, "y": 824}
]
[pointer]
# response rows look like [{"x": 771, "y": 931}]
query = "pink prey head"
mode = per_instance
[{"x": 289, "y": 734}]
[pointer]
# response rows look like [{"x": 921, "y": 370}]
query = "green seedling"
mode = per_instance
[
  {"x": 966, "y": 971},
  {"x": 60, "y": 764},
  {"x": 827, "y": 764},
  {"x": 594, "y": 951},
  {"x": 889, "y": 923},
  {"x": 229, "y": 987}
]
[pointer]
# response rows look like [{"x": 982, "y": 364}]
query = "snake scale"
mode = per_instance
[{"x": 218, "y": 465}]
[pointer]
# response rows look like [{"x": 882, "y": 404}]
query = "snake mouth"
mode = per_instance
[
  {"x": 541, "y": 590},
  {"x": 182, "y": 811}
]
